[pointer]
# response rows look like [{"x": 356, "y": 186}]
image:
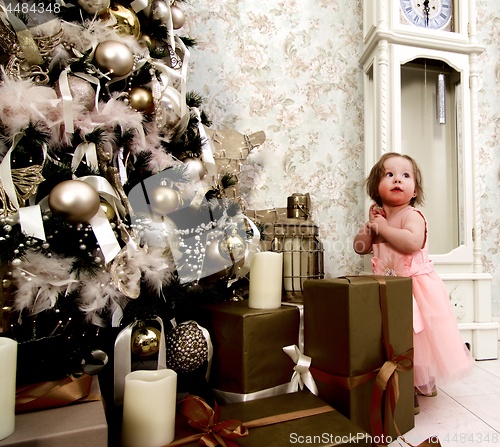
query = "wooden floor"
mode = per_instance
[{"x": 465, "y": 414}]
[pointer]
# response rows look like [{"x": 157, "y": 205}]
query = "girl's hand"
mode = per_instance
[
  {"x": 375, "y": 210},
  {"x": 378, "y": 223}
]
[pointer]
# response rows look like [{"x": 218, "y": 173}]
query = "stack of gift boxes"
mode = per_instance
[{"x": 357, "y": 337}]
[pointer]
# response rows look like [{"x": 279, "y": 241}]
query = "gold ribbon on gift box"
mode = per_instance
[
  {"x": 385, "y": 393},
  {"x": 56, "y": 393},
  {"x": 214, "y": 432}
]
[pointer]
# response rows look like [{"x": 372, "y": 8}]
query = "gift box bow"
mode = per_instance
[{"x": 214, "y": 432}]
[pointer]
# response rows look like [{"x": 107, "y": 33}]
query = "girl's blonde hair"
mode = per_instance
[{"x": 378, "y": 171}]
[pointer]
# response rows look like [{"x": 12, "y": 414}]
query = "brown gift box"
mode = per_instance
[
  {"x": 78, "y": 425},
  {"x": 248, "y": 345},
  {"x": 326, "y": 429},
  {"x": 343, "y": 335}
]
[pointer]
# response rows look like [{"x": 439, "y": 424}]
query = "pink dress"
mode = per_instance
[{"x": 439, "y": 352}]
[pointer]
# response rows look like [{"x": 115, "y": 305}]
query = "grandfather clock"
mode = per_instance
[{"x": 420, "y": 64}]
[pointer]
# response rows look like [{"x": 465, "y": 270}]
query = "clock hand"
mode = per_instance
[{"x": 426, "y": 12}]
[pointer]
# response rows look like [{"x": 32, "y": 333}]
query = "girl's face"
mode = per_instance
[{"x": 397, "y": 186}]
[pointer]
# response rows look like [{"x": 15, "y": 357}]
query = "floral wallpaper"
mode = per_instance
[{"x": 291, "y": 69}]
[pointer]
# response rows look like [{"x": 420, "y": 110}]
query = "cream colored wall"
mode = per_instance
[{"x": 291, "y": 68}]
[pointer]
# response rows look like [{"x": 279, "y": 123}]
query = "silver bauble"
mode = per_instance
[
  {"x": 159, "y": 11},
  {"x": 163, "y": 200},
  {"x": 77, "y": 201},
  {"x": 114, "y": 57},
  {"x": 81, "y": 91},
  {"x": 232, "y": 247},
  {"x": 178, "y": 17},
  {"x": 195, "y": 168},
  {"x": 94, "y": 7}
]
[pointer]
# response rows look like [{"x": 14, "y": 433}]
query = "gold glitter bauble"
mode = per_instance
[
  {"x": 114, "y": 57},
  {"x": 141, "y": 99},
  {"x": 77, "y": 201},
  {"x": 127, "y": 22},
  {"x": 163, "y": 200},
  {"x": 145, "y": 341}
]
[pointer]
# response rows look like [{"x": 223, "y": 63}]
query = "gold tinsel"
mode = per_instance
[{"x": 26, "y": 181}]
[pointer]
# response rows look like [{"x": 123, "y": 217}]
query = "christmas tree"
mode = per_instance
[{"x": 113, "y": 208}]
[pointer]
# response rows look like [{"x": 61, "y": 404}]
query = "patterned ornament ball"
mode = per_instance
[
  {"x": 141, "y": 99},
  {"x": 75, "y": 200},
  {"x": 127, "y": 22},
  {"x": 114, "y": 58},
  {"x": 233, "y": 247},
  {"x": 178, "y": 17},
  {"x": 145, "y": 341},
  {"x": 187, "y": 348}
]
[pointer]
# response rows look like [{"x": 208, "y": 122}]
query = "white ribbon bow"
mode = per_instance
[{"x": 301, "y": 376}]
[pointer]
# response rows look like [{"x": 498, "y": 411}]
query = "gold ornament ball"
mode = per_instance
[
  {"x": 77, "y": 201},
  {"x": 213, "y": 263},
  {"x": 108, "y": 209},
  {"x": 81, "y": 91},
  {"x": 147, "y": 41},
  {"x": 145, "y": 341},
  {"x": 195, "y": 168},
  {"x": 232, "y": 247},
  {"x": 163, "y": 200},
  {"x": 115, "y": 57},
  {"x": 178, "y": 17},
  {"x": 94, "y": 7},
  {"x": 127, "y": 22},
  {"x": 141, "y": 99}
]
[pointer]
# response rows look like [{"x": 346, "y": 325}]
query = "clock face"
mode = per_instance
[{"x": 430, "y": 14}]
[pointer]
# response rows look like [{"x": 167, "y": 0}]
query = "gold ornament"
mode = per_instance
[
  {"x": 147, "y": 41},
  {"x": 178, "y": 17},
  {"x": 145, "y": 341},
  {"x": 141, "y": 99},
  {"x": 127, "y": 22},
  {"x": 77, "y": 201},
  {"x": 26, "y": 181},
  {"x": 114, "y": 57},
  {"x": 81, "y": 90},
  {"x": 195, "y": 168},
  {"x": 94, "y": 7},
  {"x": 163, "y": 200},
  {"x": 233, "y": 247},
  {"x": 108, "y": 209}
]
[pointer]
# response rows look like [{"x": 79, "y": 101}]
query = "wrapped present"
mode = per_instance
[
  {"x": 248, "y": 344},
  {"x": 296, "y": 418},
  {"x": 355, "y": 329},
  {"x": 83, "y": 423}
]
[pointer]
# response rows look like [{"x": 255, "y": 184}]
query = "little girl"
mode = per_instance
[{"x": 397, "y": 234}]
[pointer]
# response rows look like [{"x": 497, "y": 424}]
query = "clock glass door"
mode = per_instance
[{"x": 430, "y": 97}]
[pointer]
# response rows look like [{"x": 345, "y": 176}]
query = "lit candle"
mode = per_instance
[
  {"x": 266, "y": 280},
  {"x": 149, "y": 408},
  {"x": 8, "y": 362}
]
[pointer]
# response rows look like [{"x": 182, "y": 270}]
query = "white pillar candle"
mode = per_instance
[
  {"x": 8, "y": 362},
  {"x": 266, "y": 280},
  {"x": 149, "y": 408}
]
